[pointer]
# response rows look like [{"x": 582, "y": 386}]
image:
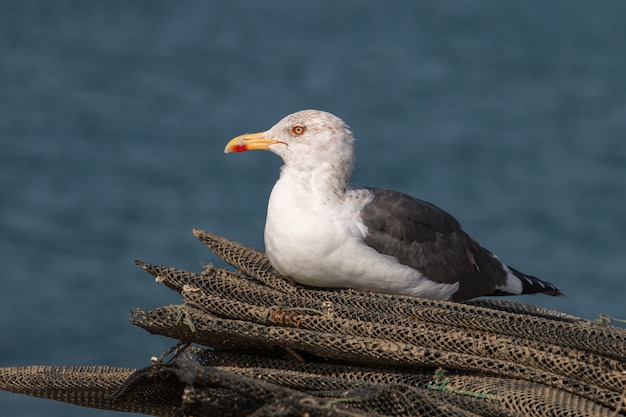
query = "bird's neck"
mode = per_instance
[{"x": 326, "y": 183}]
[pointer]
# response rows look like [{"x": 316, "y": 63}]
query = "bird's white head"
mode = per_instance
[
  {"x": 306, "y": 131},
  {"x": 307, "y": 140}
]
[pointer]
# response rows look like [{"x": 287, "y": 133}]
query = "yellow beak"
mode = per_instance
[{"x": 249, "y": 142}]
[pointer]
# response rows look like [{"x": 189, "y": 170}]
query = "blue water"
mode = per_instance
[{"x": 114, "y": 115}]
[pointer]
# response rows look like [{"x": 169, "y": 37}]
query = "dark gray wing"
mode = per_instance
[{"x": 427, "y": 238}]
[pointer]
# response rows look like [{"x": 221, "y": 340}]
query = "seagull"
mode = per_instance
[{"x": 322, "y": 231}]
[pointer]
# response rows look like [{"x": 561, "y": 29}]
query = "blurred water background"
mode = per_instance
[{"x": 114, "y": 116}]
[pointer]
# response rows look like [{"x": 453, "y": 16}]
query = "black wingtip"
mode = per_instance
[{"x": 534, "y": 285}]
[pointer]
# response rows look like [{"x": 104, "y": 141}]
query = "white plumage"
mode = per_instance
[{"x": 321, "y": 231}]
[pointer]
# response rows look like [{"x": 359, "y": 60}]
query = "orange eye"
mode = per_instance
[{"x": 298, "y": 130}]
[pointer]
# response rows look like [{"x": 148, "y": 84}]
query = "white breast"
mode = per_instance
[{"x": 318, "y": 241}]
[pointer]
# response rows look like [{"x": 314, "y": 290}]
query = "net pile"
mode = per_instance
[{"x": 254, "y": 344}]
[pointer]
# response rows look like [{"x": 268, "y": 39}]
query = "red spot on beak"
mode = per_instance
[{"x": 240, "y": 147}]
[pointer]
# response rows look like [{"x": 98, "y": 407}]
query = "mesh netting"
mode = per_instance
[{"x": 255, "y": 344}]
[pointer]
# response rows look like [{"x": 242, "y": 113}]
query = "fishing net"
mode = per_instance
[{"x": 251, "y": 343}]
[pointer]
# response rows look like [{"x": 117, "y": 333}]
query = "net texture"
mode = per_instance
[{"x": 252, "y": 343}]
